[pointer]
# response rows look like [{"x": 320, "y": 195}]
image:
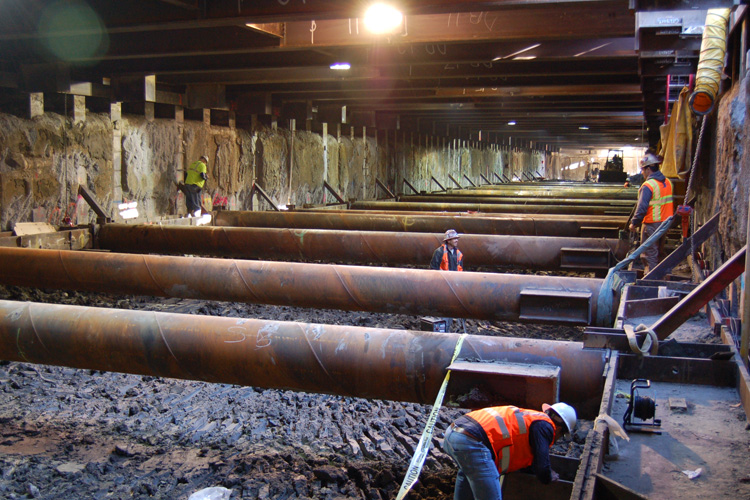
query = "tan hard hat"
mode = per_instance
[{"x": 450, "y": 234}]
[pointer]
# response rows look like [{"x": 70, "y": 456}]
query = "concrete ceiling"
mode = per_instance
[{"x": 586, "y": 73}]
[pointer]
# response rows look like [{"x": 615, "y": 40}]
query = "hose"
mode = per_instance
[{"x": 711, "y": 62}]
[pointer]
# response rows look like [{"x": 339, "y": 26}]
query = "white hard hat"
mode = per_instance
[
  {"x": 565, "y": 412},
  {"x": 450, "y": 234},
  {"x": 651, "y": 159}
]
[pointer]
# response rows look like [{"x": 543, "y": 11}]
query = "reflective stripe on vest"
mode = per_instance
[
  {"x": 506, "y": 428},
  {"x": 444, "y": 262},
  {"x": 661, "y": 205}
]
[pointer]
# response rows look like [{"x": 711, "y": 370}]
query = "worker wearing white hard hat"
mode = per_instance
[
  {"x": 655, "y": 205},
  {"x": 486, "y": 444}
]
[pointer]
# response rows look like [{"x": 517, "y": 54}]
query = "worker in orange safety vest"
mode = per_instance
[
  {"x": 655, "y": 205},
  {"x": 447, "y": 257},
  {"x": 486, "y": 444}
]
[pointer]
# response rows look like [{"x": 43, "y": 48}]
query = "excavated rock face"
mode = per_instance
[{"x": 44, "y": 160}]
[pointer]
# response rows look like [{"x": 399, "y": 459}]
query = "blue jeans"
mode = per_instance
[{"x": 478, "y": 478}]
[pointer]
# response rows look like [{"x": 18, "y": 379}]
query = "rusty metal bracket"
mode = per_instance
[
  {"x": 537, "y": 383},
  {"x": 101, "y": 214},
  {"x": 257, "y": 189},
  {"x": 681, "y": 252},
  {"x": 432, "y": 177},
  {"x": 589, "y": 258},
  {"x": 506, "y": 178},
  {"x": 382, "y": 186},
  {"x": 484, "y": 179},
  {"x": 333, "y": 192},
  {"x": 498, "y": 177},
  {"x": 470, "y": 181},
  {"x": 411, "y": 187},
  {"x": 455, "y": 181},
  {"x": 556, "y": 305}
]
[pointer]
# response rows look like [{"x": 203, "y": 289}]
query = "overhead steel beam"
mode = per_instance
[
  {"x": 352, "y": 361},
  {"x": 360, "y": 247},
  {"x": 503, "y": 297},
  {"x": 396, "y": 221},
  {"x": 490, "y": 208},
  {"x": 541, "y": 23}
]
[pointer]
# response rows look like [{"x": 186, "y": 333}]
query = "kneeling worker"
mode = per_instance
[{"x": 488, "y": 443}]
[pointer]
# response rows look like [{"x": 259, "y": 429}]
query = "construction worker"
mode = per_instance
[
  {"x": 486, "y": 444},
  {"x": 194, "y": 182},
  {"x": 655, "y": 204},
  {"x": 447, "y": 257}
]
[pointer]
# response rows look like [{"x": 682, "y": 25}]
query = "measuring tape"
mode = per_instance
[{"x": 423, "y": 447}]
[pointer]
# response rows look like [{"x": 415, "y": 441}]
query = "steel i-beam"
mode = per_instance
[
  {"x": 503, "y": 297},
  {"x": 395, "y": 365},
  {"x": 491, "y": 208},
  {"x": 360, "y": 247}
]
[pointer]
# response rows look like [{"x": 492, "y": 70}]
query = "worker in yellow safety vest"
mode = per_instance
[
  {"x": 486, "y": 444},
  {"x": 655, "y": 205},
  {"x": 194, "y": 182}
]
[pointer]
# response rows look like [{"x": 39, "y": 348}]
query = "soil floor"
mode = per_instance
[{"x": 71, "y": 434}]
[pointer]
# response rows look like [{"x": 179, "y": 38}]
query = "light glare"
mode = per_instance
[
  {"x": 341, "y": 66},
  {"x": 381, "y": 19}
]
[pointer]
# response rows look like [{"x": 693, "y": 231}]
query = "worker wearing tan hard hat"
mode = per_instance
[{"x": 447, "y": 257}]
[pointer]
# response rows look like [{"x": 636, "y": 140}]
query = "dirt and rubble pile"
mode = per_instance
[{"x": 71, "y": 434}]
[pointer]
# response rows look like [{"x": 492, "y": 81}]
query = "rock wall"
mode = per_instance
[
  {"x": 724, "y": 183},
  {"x": 45, "y": 159}
]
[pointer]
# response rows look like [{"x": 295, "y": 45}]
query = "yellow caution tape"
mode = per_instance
[{"x": 423, "y": 447}]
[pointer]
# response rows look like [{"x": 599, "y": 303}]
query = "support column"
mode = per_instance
[
  {"x": 325, "y": 160},
  {"x": 115, "y": 116},
  {"x": 79, "y": 108},
  {"x": 36, "y": 104}
]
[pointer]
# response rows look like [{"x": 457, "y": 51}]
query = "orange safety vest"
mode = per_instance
[
  {"x": 660, "y": 207},
  {"x": 507, "y": 428},
  {"x": 444, "y": 263}
]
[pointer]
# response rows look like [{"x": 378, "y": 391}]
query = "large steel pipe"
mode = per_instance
[
  {"x": 491, "y": 208},
  {"x": 352, "y": 288},
  {"x": 582, "y": 220},
  {"x": 351, "y": 247},
  {"x": 496, "y": 199},
  {"x": 344, "y": 360},
  {"x": 422, "y": 223},
  {"x": 601, "y": 192}
]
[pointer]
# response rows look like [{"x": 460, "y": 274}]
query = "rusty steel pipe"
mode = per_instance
[
  {"x": 490, "y": 208},
  {"x": 351, "y": 247},
  {"x": 424, "y": 222},
  {"x": 353, "y": 288},
  {"x": 609, "y": 192},
  {"x": 427, "y": 223},
  {"x": 495, "y": 199},
  {"x": 395, "y": 365}
]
